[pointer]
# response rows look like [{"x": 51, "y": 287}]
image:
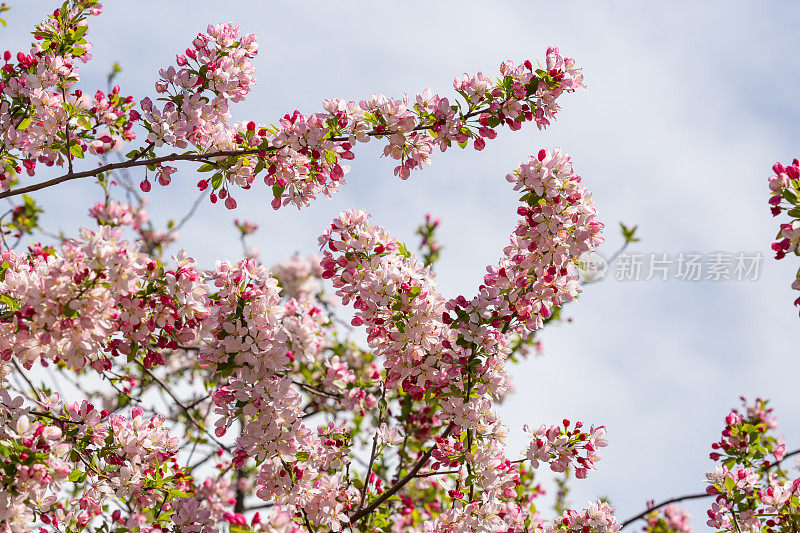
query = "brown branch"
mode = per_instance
[
  {"x": 22, "y": 373},
  {"x": 372, "y": 456},
  {"x": 786, "y": 456},
  {"x": 633, "y": 519},
  {"x": 127, "y": 164},
  {"x": 266, "y": 505},
  {"x": 437, "y": 473},
  {"x": 361, "y": 513},
  {"x": 206, "y": 459}
]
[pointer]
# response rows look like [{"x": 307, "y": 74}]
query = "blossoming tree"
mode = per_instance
[{"x": 234, "y": 398}]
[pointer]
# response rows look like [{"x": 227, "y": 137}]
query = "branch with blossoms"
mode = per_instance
[
  {"x": 254, "y": 348},
  {"x": 207, "y": 394},
  {"x": 750, "y": 488},
  {"x": 300, "y": 158}
]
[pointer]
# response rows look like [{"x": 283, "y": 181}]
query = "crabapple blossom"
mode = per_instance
[
  {"x": 597, "y": 518},
  {"x": 750, "y": 490},
  {"x": 559, "y": 446},
  {"x": 43, "y": 116}
]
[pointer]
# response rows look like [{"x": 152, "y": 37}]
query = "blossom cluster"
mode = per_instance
[
  {"x": 452, "y": 352},
  {"x": 136, "y": 216},
  {"x": 72, "y": 306},
  {"x": 751, "y": 491},
  {"x": 559, "y": 446},
  {"x": 43, "y": 117},
  {"x": 102, "y": 455},
  {"x": 669, "y": 519},
  {"x": 784, "y": 187},
  {"x": 597, "y": 518},
  {"x": 302, "y": 157}
]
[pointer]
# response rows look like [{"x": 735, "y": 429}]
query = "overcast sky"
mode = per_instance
[{"x": 689, "y": 104}]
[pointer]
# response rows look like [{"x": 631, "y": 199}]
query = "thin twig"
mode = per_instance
[
  {"x": 22, "y": 373},
  {"x": 437, "y": 473},
  {"x": 372, "y": 455},
  {"x": 361, "y": 513},
  {"x": 649, "y": 510},
  {"x": 265, "y": 505},
  {"x": 191, "y": 212},
  {"x": 185, "y": 409}
]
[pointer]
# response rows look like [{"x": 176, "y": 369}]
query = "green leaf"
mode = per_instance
[
  {"x": 403, "y": 250},
  {"x": 175, "y": 493},
  {"x": 12, "y": 304},
  {"x": 533, "y": 86},
  {"x": 277, "y": 190},
  {"x": 330, "y": 157},
  {"x": 76, "y": 150},
  {"x": 208, "y": 167},
  {"x": 259, "y": 166},
  {"x": 24, "y": 124},
  {"x": 789, "y": 195},
  {"x": 216, "y": 180},
  {"x": 69, "y": 312},
  {"x": 729, "y": 483},
  {"x": 629, "y": 233},
  {"x": 134, "y": 350},
  {"x": 77, "y": 476},
  {"x": 3, "y": 267}
]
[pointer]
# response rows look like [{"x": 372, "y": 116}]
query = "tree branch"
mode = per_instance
[
  {"x": 372, "y": 456},
  {"x": 128, "y": 164},
  {"x": 633, "y": 519},
  {"x": 361, "y": 513},
  {"x": 183, "y": 408}
]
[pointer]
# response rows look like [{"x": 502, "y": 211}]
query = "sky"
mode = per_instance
[{"x": 689, "y": 103}]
